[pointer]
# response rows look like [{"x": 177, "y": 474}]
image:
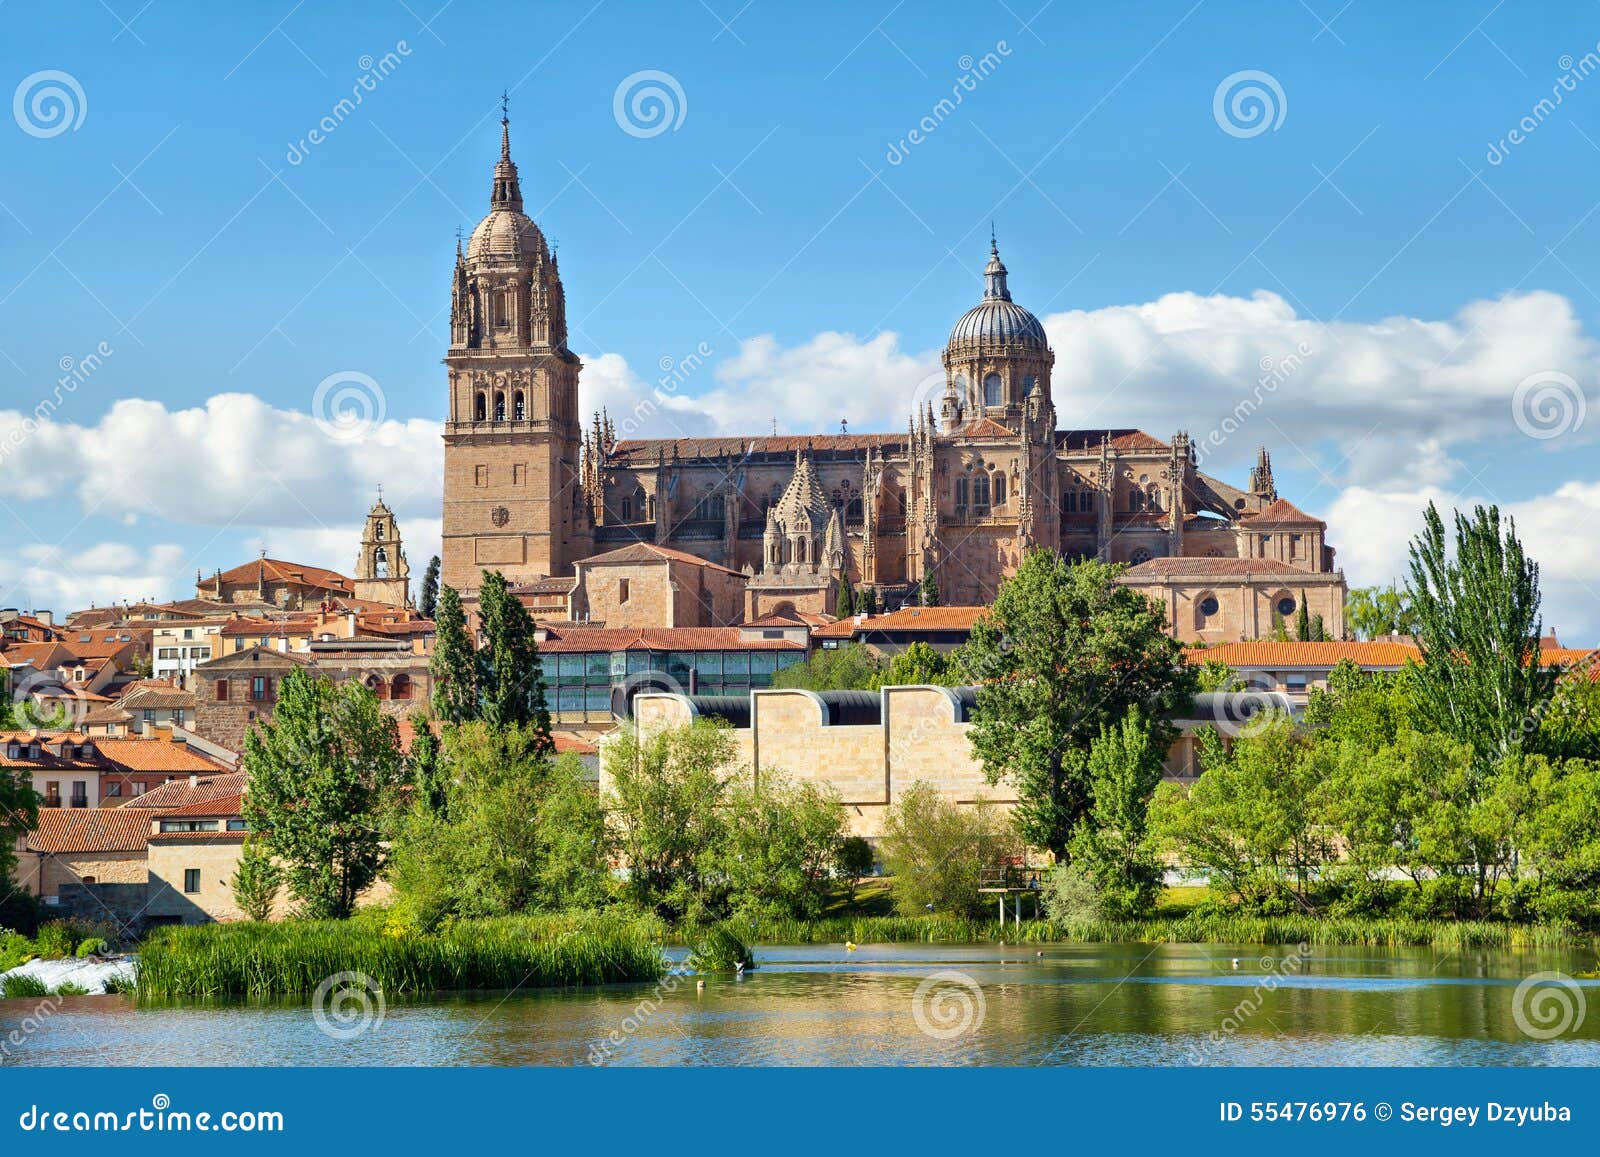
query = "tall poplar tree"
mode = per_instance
[
  {"x": 455, "y": 694},
  {"x": 511, "y": 691}
]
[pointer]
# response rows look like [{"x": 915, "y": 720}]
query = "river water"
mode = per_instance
[{"x": 1078, "y": 1004}]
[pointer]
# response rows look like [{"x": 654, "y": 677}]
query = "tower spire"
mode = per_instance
[
  {"x": 507, "y": 192},
  {"x": 994, "y": 273}
]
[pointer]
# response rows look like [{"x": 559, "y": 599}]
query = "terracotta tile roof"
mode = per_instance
[
  {"x": 1085, "y": 440},
  {"x": 568, "y": 744},
  {"x": 153, "y": 753},
  {"x": 774, "y": 620},
  {"x": 41, "y": 656},
  {"x": 1231, "y": 568},
  {"x": 545, "y": 586},
  {"x": 67, "y": 831},
  {"x": 272, "y": 627},
  {"x": 981, "y": 428},
  {"x": 1281, "y": 513},
  {"x": 1312, "y": 655},
  {"x": 163, "y": 697},
  {"x": 179, "y": 793},
  {"x": 222, "y": 805},
  {"x": 955, "y": 620},
  {"x": 588, "y": 639},
  {"x": 106, "y": 713},
  {"x": 645, "y": 449},
  {"x": 645, "y": 552},
  {"x": 276, "y": 570}
]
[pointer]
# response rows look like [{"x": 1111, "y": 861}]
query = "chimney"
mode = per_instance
[
  {"x": 283, "y": 643},
  {"x": 350, "y": 624},
  {"x": 48, "y": 618},
  {"x": 194, "y": 779}
]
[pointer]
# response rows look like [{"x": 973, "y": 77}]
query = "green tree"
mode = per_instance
[
  {"x": 936, "y": 850},
  {"x": 1252, "y": 819},
  {"x": 1371, "y": 612},
  {"x": 256, "y": 881},
  {"x": 1478, "y": 625},
  {"x": 425, "y": 767},
  {"x": 666, "y": 817},
  {"x": 844, "y": 603},
  {"x": 317, "y": 772},
  {"x": 455, "y": 693},
  {"x": 1302, "y": 621},
  {"x": 1570, "y": 727},
  {"x": 1065, "y": 651},
  {"x": 852, "y": 667},
  {"x": 782, "y": 843},
  {"x": 928, "y": 590},
  {"x": 1113, "y": 844},
  {"x": 1319, "y": 629},
  {"x": 510, "y": 677},
  {"x": 855, "y": 860},
  {"x": 867, "y": 601},
  {"x": 574, "y": 846},
  {"x": 430, "y": 588},
  {"x": 918, "y": 664},
  {"x": 19, "y": 815},
  {"x": 1215, "y": 675}
]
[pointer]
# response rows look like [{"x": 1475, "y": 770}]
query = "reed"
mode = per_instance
[
  {"x": 1209, "y": 928},
  {"x": 297, "y": 956},
  {"x": 17, "y": 987}
]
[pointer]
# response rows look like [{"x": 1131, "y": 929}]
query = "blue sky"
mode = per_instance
[{"x": 786, "y": 223}]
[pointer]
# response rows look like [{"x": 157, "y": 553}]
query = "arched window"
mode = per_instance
[
  {"x": 961, "y": 495},
  {"x": 1285, "y": 605},
  {"x": 980, "y": 493},
  {"x": 482, "y": 411},
  {"x": 499, "y": 406},
  {"x": 401, "y": 687},
  {"x": 1029, "y": 385},
  {"x": 519, "y": 408},
  {"x": 377, "y": 686},
  {"x": 999, "y": 489},
  {"x": 1209, "y": 605},
  {"x": 378, "y": 531},
  {"x": 380, "y": 562},
  {"x": 991, "y": 390},
  {"x": 1136, "y": 500},
  {"x": 1155, "y": 499}
]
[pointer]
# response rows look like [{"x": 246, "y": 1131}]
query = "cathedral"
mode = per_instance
[{"x": 959, "y": 495}]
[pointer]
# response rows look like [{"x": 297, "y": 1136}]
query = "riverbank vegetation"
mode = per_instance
[{"x": 250, "y": 959}]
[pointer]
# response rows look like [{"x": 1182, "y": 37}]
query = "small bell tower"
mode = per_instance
[{"x": 382, "y": 573}]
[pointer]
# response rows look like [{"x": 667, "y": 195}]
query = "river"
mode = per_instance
[{"x": 1073, "y": 1004}]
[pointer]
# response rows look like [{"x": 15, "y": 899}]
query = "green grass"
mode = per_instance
[
  {"x": 17, "y": 987},
  {"x": 296, "y": 956}
]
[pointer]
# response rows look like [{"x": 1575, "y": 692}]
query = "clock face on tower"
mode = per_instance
[{"x": 500, "y": 516}]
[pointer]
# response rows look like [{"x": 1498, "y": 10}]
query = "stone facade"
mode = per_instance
[
  {"x": 382, "y": 574},
  {"x": 971, "y": 485},
  {"x": 648, "y": 586}
]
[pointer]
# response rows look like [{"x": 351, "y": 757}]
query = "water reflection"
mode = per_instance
[{"x": 1125, "y": 1004}]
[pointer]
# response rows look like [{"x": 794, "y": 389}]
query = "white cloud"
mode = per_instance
[
  {"x": 42, "y": 576},
  {"x": 1372, "y": 530}
]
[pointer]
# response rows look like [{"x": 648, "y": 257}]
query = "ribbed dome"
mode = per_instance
[
  {"x": 506, "y": 233},
  {"x": 997, "y": 319}
]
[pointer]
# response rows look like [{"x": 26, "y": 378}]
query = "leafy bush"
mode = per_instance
[
  {"x": 719, "y": 950},
  {"x": 93, "y": 946},
  {"x": 116, "y": 983},
  {"x": 937, "y": 849},
  {"x": 55, "y": 940},
  {"x": 15, "y": 949},
  {"x": 1070, "y": 896},
  {"x": 70, "y": 988}
]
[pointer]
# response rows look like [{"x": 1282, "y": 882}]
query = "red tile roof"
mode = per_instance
[
  {"x": 1281, "y": 513},
  {"x": 1120, "y": 440},
  {"x": 955, "y": 620},
  {"x": 645, "y": 449},
  {"x": 156, "y": 753},
  {"x": 276, "y": 570},
  {"x": 1314, "y": 655},
  {"x": 646, "y": 552},
  {"x": 1222, "y": 568},
  {"x": 982, "y": 428},
  {"x": 587, "y": 639},
  {"x": 66, "y": 831},
  {"x": 179, "y": 793},
  {"x": 222, "y": 805}
]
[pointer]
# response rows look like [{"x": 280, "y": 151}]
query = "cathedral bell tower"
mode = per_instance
[{"x": 512, "y": 439}]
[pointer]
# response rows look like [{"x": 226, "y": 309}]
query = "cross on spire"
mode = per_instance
[{"x": 505, "y": 106}]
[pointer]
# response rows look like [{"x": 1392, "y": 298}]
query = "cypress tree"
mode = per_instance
[
  {"x": 430, "y": 588},
  {"x": 510, "y": 676},
  {"x": 844, "y": 604},
  {"x": 455, "y": 693},
  {"x": 867, "y": 603},
  {"x": 1302, "y": 621},
  {"x": 928, "y": 592}
]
